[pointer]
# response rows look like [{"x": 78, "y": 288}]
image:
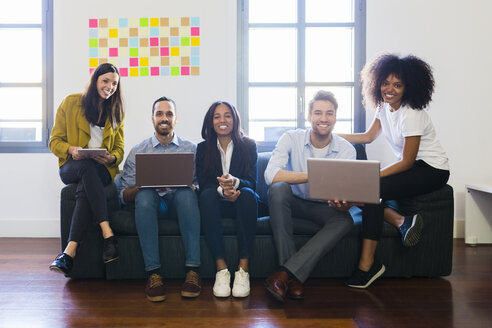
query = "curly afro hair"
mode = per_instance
[{"x": 415, "y": 74}]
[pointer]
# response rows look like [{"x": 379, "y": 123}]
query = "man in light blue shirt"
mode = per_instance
[
  {"x": 152, "y": 204},
  {"x": 286, "y": 174}
]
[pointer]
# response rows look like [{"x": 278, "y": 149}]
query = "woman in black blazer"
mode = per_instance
[{"x": 226, "y": 167}]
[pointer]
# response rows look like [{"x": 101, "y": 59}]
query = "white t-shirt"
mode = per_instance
[
  {"x": 96, "y": 136},
  {"x": 408, "y": 122}
]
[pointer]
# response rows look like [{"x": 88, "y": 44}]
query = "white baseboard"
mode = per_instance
[{"x": 30, "y": 228}]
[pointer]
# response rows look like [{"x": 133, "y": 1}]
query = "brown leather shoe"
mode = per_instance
[
  {"x": 154, "y": 290},
  {"x": 295, "y": 289},
  {"x": 276, "y": 284},
  {"x": 192, "y": 285}
]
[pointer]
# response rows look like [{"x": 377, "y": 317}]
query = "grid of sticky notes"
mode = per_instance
[{"x": 159, "y": 46}]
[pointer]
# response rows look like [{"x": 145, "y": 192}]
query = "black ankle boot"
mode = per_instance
[
  {"x": 62, "y": 264},
  {"x": 110, "y": 249}
]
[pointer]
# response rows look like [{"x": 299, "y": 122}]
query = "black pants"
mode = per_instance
[
  {"x": 420, "y": 179},
  {"x": 90, "y": 200}
]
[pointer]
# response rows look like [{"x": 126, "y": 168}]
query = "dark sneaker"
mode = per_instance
[
  {"x": 62, "y": 264},
  {"x": 110, "y": 249},
  {"x": 192, "y": 285},
  {"x": 154, "y": 290},
  {"x": 411, "y": 230},
  {"x": 362, "y": 279}
]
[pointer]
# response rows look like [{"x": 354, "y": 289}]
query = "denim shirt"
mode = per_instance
[
  {"x": 292, "y": 151},
  {"x": 151, "y": 145}
]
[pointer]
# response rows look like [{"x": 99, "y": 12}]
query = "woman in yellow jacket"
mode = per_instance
[{"x": 93, "y": 119}]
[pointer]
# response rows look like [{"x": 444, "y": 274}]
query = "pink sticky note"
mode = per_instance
[
  {"x": 91, "y": 70},
  {"x": 124, "y": 71},
  {"x": 154, "y": 71},
  {"x": 185, "y": 70},
  {"x": 133, "y": 62},
  {"x": 113, "y": 52},
  {"x": 154, "y": 42},
  {"x": 92, "y": 22},
  {"x": 195, "y": 31},
  {"x": 164, "y": 51}
]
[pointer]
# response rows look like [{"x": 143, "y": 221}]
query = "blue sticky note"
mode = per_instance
[
  {"x": 123, "y": 22},
  {"x": 154, "y": 31},
  {"x": 195, "y": 21},
  {"x": 165, "y": 71},
  {"x": 195, "y": 61},
  {"x": 134, "y": 42},
  {"x": 93, "y": 33},
  {"x": 175, "y": 41},
  {"x": 195, "y": 51},
  {"x": 93, "y": 53}
]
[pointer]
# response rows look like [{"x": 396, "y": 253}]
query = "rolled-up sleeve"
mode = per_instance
[
  {"x": 128, "y": 174},
  {"x": 279, "y": 159}
]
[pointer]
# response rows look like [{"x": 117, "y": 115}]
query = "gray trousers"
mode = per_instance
[{"x": 283, "y": 207}]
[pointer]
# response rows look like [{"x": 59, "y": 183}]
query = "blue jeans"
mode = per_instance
[
  {"x": 181, "y": 204},
  {"x": 245, "y": 209}
]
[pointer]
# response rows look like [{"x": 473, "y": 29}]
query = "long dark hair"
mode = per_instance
[
  {"x": 111, "y": 107},
  {"x": 415, "y": 74},
  {"x": 210, "y": 137}
]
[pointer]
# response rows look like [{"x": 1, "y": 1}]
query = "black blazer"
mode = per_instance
[{"x": 245, "y": 180}]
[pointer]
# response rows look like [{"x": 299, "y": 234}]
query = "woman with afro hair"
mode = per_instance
[{"x": 400, "y": 88}]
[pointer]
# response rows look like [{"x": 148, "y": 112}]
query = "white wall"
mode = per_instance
[
  {"x": 453, "y": 36},
  {"x": 30, "y": 201}
]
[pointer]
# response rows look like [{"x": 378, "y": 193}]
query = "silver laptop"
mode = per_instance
[
  {"x": 164, "y": 170},
  {"x": 343, "y": 179}
]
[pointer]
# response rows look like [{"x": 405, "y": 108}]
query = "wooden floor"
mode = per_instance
[{"x": 32, "y": 296}]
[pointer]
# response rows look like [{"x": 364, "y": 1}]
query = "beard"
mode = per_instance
[{"x": 162, "y": 132}]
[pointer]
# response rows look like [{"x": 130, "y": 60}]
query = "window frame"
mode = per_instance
[
  {"x": 46, "y": 84},
  {"x": 359, "y": 25}
]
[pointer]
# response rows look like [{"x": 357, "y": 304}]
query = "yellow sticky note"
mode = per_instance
[
  {"x": 154, "y": 22},
  {"x": 174, "y": 51},
  {"x": 133, "y": 71},
  {"x": 144, "y": 61},
  {"x": 113, "y": 32},
  {"x": 195, "y": 41},
  {"x": 93, "y": 62}
]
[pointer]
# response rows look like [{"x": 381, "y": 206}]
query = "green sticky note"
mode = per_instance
[
  {"x": 144, "y": 71},
  {"x": 174, "y": 71},
  {"x": 92, "y": 43},
  {"x": 144, "y": 22},
  {"x": 185, "y": 41},
  {"x": 133, "y": 52}
]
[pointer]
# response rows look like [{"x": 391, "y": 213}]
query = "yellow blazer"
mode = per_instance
[{"x": 72, "y": 129}]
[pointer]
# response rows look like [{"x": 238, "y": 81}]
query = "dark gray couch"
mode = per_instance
[{"x": 431, "y": 257}]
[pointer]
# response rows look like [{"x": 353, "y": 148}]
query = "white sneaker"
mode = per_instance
[
  {"x": 222, "y": 285},
  {"x": 240, "y": 287}
]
